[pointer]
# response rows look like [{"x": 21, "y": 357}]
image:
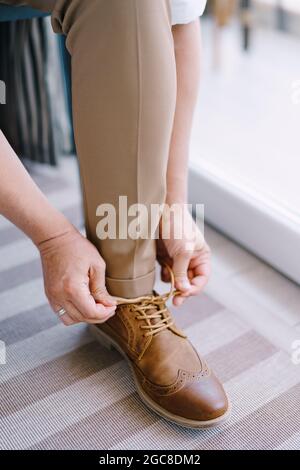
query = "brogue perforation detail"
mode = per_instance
[{"x": 183, "y": 378}]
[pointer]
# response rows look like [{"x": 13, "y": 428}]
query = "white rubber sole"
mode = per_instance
[{"x": 109, "y": 343}]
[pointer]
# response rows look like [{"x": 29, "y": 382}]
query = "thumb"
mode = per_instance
[
  {"x": 181, "y": 263},
  {"x": 98, "y": 288}
]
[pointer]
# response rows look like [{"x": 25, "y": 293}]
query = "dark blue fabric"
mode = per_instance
[{"x": 8, "y": 13}]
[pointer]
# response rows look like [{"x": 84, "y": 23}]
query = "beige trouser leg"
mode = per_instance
[{"x": 124, "y": 93}]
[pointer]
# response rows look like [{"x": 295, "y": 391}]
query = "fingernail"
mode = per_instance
[
  {"x": 185, "y": 285},
  {"x": 177, "y": 301}
]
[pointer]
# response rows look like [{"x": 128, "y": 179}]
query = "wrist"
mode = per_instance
[
  {"x": 47, "y": 230},
  {"x": 176, "y": 197},
  {"x": 57, "y": 239},
  {"x": 177, "y": 192}
]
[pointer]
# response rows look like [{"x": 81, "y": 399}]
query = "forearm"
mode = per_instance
[
  {"x": 22, "y": 202},
  {"x": 187, "y": 44}
]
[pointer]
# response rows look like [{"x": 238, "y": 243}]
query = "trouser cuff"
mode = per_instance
[{"x": 130, "y": 288}]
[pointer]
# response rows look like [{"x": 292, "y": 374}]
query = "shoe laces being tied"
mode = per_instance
[{"x": 149, "y": 309}]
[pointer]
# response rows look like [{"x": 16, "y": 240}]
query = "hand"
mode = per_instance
[
  {"x": 74, "y": 278},
  {"x": 189, "y": 258}
]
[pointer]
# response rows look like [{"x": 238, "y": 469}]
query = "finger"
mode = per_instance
[
  {"x": 200, "y": 277},
  {"x": 67, "y": 320},
  {"x": 191, "y": 274},
  {"x": 165, "y": 274},
  {"x": 180, "y": 270},
  {"x": 82, "y": 299},
  {"x": 198, "y": 284},
  {"x": 178, "y": 300},
  {"x": 97, "y": 286},
  {"x": 75, "y": 313},
  {"x": 200, "y": 264}
]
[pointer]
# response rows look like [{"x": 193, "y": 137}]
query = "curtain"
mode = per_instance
[{"x": 35, "y": 118}]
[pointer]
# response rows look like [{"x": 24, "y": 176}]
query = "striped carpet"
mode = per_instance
[{"x": 61, "y": 390}]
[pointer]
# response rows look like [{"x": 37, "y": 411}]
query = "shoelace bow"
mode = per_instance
[{"x": 149, "y": 302}]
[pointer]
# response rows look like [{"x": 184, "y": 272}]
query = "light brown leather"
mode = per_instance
[{"x": 165, "y": 364}]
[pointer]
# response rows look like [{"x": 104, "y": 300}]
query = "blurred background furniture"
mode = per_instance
[
  {"x": 246, "y": 22},
  {"x": 35, "y": 67},
  {"x": 282, "y": 15}
]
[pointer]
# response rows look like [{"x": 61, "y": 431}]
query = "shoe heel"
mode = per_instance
[{"x": 101, "y": 337}]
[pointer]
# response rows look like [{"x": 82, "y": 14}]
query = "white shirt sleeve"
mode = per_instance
[{"x": 185, "y": 11}]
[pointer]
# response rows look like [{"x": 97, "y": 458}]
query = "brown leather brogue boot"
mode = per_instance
[{"x": 170, "y": 376}]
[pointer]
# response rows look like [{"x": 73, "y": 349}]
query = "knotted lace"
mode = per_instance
[{"x": 142, "y": 305}]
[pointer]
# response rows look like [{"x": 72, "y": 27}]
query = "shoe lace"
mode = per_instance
[{"x": 142, "y": 305}]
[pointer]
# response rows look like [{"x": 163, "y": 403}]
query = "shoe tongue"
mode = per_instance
[
  {"x": 153, "y": 321},
  {"x": 152, "y": 311}
]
